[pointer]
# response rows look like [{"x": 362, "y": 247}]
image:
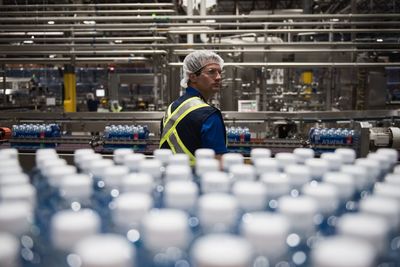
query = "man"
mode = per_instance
[{"x": 189, "y": 122}]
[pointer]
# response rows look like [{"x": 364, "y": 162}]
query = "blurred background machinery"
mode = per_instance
[{"x": 285, "y": 61}]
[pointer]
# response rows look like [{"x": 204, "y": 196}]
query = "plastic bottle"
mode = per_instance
[
  {"x": 68, "y": 227},
  {"x": 215, "y": 182},
  {"x": 267, "y": 233},
  {"x": 243, "y": 172},
  {"x": 343, "y": 251},
  {"x": 230, "y": 159},
  {"x": 166, "y": 237},
  {"x": 222, "y": 250},
  {"x": 218, "y": 212},
  {"x": 105, "y": 249},
  {"x": 251, "y": 195},
  {"x": 9, "y": 255}
]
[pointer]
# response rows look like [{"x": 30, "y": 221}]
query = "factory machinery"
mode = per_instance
[{"x": 281, "y": 132}]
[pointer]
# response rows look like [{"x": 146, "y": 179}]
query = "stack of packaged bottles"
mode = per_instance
[{"x": 289, "y": 210}]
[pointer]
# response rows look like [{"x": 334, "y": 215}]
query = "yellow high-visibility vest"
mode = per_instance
[{"x": 171, "y": 120}]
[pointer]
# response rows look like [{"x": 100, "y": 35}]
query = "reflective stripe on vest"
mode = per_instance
[{"x": 170, "y": 134}]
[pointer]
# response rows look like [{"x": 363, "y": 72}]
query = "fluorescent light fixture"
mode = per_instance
[
  {"x": 380, "y": 40},
  {"x": 45, "y": 33},
  {"x": 89, "y": 22},
  {"x": 50, "y": 22},
  {"x": 118, "y": 41},
  {"x": 52, "y": 56},
  {"x": 28, "y": 42}
]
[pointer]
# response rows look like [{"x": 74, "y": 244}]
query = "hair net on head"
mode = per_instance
[{"x": 197, "y": 60}]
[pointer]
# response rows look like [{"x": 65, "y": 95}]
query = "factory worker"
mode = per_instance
[{"x": 190, "y": 122}]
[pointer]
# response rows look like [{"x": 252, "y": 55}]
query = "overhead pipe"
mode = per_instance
[
  {"x": 189, "y": 12},
  {"x": 87, "y": 39},
  {"x": 304, "y": 64},
  {"x": 200, "y": 18},
  {"x": 203, "y": 12},
  {"x": 280, "y": 31},
  {"x": 128, "y": 26},
  {"x": 137, "y": 5},
  {"x": 73, "y": 12}
]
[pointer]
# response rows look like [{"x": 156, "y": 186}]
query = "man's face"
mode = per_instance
[{"x": 208, "y": 80}]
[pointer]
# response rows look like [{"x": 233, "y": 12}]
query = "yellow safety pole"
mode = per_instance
[{"x": 69, "y": 89}]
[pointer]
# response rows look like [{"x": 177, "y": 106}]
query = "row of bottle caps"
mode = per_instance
[
  {"x": 34, "y": 130},
  {"x": 288, "y": 181},
  {"x": 126, "y": 132},
  {"x": 238, "y": 134},
  {"x": 332, "y": 136}
]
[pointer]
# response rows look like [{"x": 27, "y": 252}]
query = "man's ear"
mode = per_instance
[{"x": 192, "y": 77}]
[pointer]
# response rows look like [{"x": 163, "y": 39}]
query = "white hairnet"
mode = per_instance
[{"x": 197, "y": 60}]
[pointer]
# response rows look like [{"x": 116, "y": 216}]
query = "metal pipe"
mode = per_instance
[
  {"x": 87, "y": 39},
  {"x": 74, "y": 12},
  {"x": 304, "y": 64},
  {"x": 86, "y": 52},
  {"x": 199, "y": 45},
  {"x": 64, "y": 6},
  {"x": 121, "y": 26},
  {"x": 199, "y": 18},
  {"x": 314, "y": 31}
]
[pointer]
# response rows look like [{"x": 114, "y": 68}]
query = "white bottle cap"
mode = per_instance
[
  {"x": 120, "y": 154},
  {"x": 11, "y": 153},
  {"x": 348, "y": 155},
  {"x": 260, "y": 153},
  {"x": 23, "y": 192},
  {"x": 298, "y": 175},
  {"x": 206, "y": 165},
  {"x": 152, "y": 167},
  {"x": 165, "y": 228},
  {"x": 138, "y": 182},
  {"x": 370, "y": 228},
  {"x": 301, "y": 211},
  {"x": 162, "y": 155},
  {"x": 86, "y": 160},
  {"x": 113, "y": 176},
  {"x": 392, "y": 154},
  {"x": 277, "y": 184},
  {"x": 285, "y": 159},
  {"x": 251, "y": 195},
  {"x": 302, "y": 154},
  {"x": 80, "y": 153},
  {"x": 45, "y": 154},
  {"x": 15, "y": 217},
  {"x": 267, "y": 232},
  {"x": 9, "y": 253},
  {"x": 222, "y": 250},
  {"x": 344, "y": 252},
  {"x": 230, "y": 159},
  {"x": 14, "y": 179},
  {"x": 10, "y": 166},
  {"x": 204, "y": 153},
  {"x": 215, "y": 182},
  {"x": 132, "y": 161},
  {"x": 11, "y": 170},
  {"x": 389, "y": 209},
  {"x": 106, "y": 250},
  {"x": 344, "y": 183},
  {"x": 217, "y": 212},
  {"x": 383, "y": 159},
  {"x": 179, "y": 159},
  {"x": 45, "y": 151},
  {"x": 175, "y": 172},
  {"x": 56, "y": 174},
  {"x": 387, "y": 190},
  {"x": 243, "y": 172},
  {"x": 97, "y": 167},
  {"x": 359, "y": 174},
  {"x": 396, "y": 169},
  {"x": 129, "y": 209},
  {"x": 326, "y": 196},
  {"x": 181, "y": 195},
  {"x": 317, "y": 167},
  {"x": 69, "y": 227},
  {"x": 372, "y": 167},
  {"x": 77, "y": 187},
  {"x": 267, "y": 165},
  {"x": 48, "y": 164},
  {"x": 334, "y": 161},
  {"x": 393, "y": 179}
]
